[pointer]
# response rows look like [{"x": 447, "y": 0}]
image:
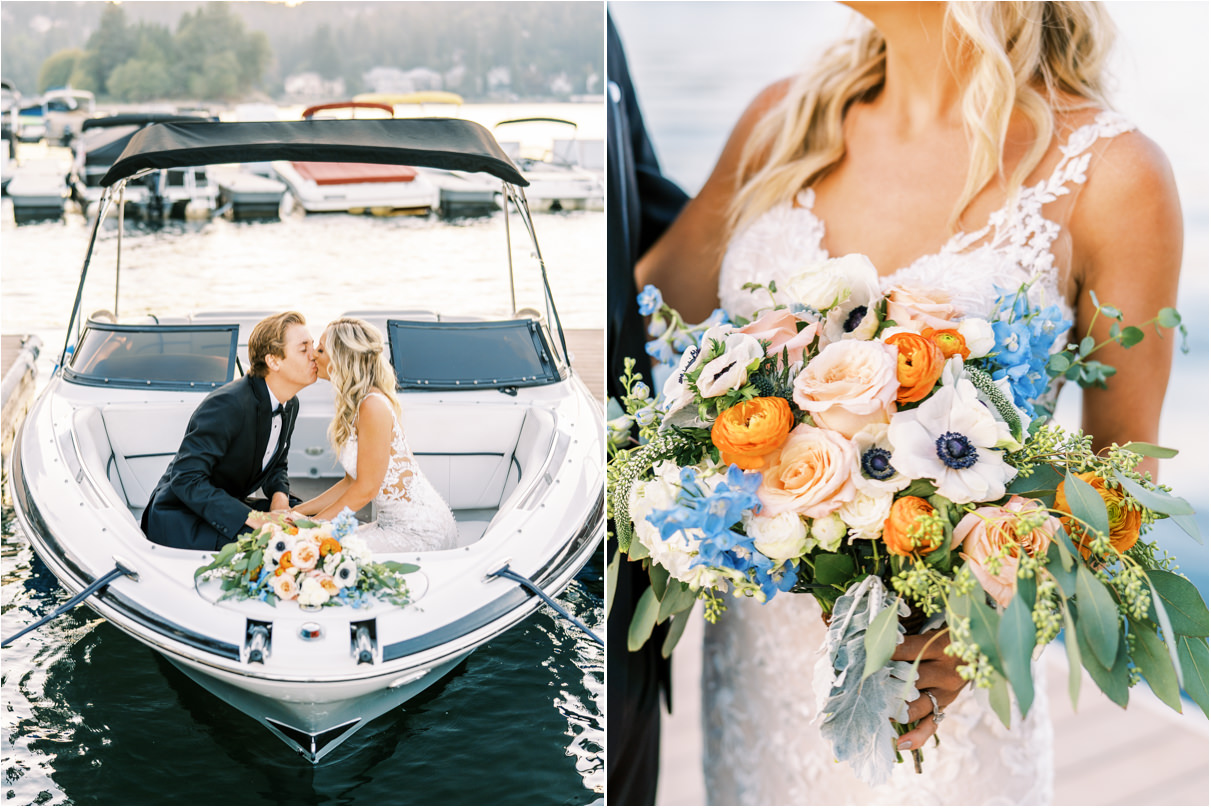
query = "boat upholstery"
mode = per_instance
[{"x": 476, "y": 464}]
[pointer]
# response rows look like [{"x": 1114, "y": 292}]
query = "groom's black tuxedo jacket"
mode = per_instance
[
  {"x": 199, "y": 502},
  {"x": 642, "y": 205}
]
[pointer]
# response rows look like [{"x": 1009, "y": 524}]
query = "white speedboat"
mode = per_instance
[
  {"x": 321, "y": 186},
  {"x": 499, "y": 422},
  {"x": 180, "y": 191},
  {"x": 557, "y": 180},
  {"x": 66, "y": 110}
]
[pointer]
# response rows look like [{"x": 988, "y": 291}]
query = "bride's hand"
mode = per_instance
[{"x": 937, "y": 673}]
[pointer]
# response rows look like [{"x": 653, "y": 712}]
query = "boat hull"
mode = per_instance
[{"x": 313, "y": 719}]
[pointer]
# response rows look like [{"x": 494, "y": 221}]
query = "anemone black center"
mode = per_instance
[{"x": 956, "y": 451}]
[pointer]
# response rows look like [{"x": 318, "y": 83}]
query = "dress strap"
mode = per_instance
[{"x": 1075, "y": 151}]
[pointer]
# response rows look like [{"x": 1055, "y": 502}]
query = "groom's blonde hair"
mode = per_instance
[
  {"x": 269, "y": 337},
  {"x": 357, "y": 366},
  {"x": 1021, "y": 56}
]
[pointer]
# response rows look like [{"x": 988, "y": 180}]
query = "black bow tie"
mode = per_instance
[{"x": 275, "y": 411}]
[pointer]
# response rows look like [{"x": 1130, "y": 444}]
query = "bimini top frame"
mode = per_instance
[{"x": 453, "y": 144}]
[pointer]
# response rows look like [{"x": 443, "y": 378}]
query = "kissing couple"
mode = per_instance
[{"x": 238, "y": 440}]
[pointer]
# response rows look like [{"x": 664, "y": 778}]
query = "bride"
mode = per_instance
[
  {"x": 369, "y": 441},
  {"x": 962, "y": 146}
]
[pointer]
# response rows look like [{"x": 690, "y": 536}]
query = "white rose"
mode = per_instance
[
  {"x": 312, "y": 593},
  {"x": 866, "y": 513},
  {"x": 729, "y": 371},
  {"x": 356, "y": 547},
  {"x": 780, "y": 537},
  {"x": 827, "y": 532},
  {"x": 833, "y": 282},
  {"x": 977, "y": 333},
  {"x": 648, "y": 496}
]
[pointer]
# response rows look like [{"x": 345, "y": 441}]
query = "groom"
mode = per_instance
[
  {"x": 236, "y": 442},
  {"x": 642, "y": 204}
]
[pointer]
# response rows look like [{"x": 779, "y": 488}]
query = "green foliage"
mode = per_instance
[{"x": 57, "y": 71}]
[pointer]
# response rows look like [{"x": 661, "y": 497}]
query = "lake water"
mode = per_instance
[
  {"x": 696, "y": 66},
  {"x": 93, "y": 717}
]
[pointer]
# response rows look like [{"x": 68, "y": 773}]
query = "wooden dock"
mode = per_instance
[
  {"x": 1145, "y": 755},
  {"x": 17, "y": 353},
  {"x": 587, "y": 346}
]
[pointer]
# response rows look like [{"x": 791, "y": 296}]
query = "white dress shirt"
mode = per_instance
[{"x": 275, "y": 429}]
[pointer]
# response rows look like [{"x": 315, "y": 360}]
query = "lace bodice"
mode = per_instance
[
  {"x": 761, "y": 743},
  {"x": 411, "y": 514},
  {"x": 1013, "y": 248}
]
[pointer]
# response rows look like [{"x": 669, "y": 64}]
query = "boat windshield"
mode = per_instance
[
  {"x": 470, "y": 355},
  {"x": 170, "y": 357}
]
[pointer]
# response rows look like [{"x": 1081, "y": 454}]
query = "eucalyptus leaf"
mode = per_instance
[
  {"x": 1086, "y": 504},
  {"x": 1157, "y": 609},
  {"x": 1073, "y": 649},
  {"x": 676, "y": 629},
  {"x": 1158, "y": 501},
  {"x": 637, "y": 551},
  {"x": 985, "y": 625},
  {"x": 998, "y": 699},
  {"x": 881, "y": 639},
  {"x": 1131, "y": 335},
  {"x": 659, "y": 577},
  {"x": 1015, "y": 640},
  {"x": 1150, "y": 449},
  {"x": 1097, "y": 618},
  {"x": 1182, "y": 601},
  {"x": 1152, "y": 658},
  {"x": 1188, "y": 525},
  {"x": 1192, "y": 651},
  {"x": 677, "y": 598},
  {"x": 611, "y": 579},
  {"x": 643, "y": 621},
  {"x": 1113, "y": 680},
  {"x": 1168, "y": 318}
]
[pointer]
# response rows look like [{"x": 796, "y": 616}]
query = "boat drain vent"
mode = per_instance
[
  {"x": 363, "y": 641},
  {"x": 257, "y": 641}
]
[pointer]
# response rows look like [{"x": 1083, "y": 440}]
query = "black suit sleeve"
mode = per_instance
[{"x": 213, "y": 429}]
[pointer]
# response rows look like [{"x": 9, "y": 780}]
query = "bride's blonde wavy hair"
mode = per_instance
[
  {"x": 357, "y": 366},
  {"x": 1018, "y": 56}
]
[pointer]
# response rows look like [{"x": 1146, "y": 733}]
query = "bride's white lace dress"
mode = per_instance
[
  {"x": 761, "y": 745},
  {"x": 410, "y": 514}
]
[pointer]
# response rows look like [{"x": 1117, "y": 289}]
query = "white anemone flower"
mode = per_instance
[
  {"x": 875, "y": 473},
  {"x": 950, "y": 439},
  {"x": 346, "y": 574}
]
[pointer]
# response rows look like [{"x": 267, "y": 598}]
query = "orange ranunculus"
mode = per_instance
[
  {"x": 284, "y": 562},
  {"x": 752, "y": 429},
  {"x": 949, "y": 340},
  {"x": 329, "y": 546},
  {"x": 901, "y": 522},
  {"x": 1124, "y": 522},
  {"x": 918, "y": 367},
  {"x": 291, "y": 530}
]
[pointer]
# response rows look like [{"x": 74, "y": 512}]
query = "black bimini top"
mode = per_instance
[{"x": 448, "y": 143}]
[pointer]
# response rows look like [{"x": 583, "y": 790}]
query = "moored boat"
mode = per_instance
[
  {"x": 355, "y": 187},
  {"x": 557, "y": 179},
  {"x": 498, "y": 421}
]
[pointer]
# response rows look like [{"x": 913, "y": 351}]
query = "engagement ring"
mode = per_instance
[{"x": 938, "y": 715}]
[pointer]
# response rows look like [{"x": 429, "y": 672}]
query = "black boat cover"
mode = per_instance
[
  {"x": 449, "y": 143},
  {"x": 138, "y": 119}
]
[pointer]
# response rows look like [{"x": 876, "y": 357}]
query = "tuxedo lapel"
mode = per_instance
[{"x": 261, "y": 394}]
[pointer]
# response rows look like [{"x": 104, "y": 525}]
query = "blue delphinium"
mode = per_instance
[
  {"x": 650, "y": 300},
  {"x": 714, "y": 515},
  {"x": 344, "y": 524},
  {"x": 1025, "y": 337}
]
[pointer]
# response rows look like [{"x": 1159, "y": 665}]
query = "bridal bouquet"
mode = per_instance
[
  {"x": 314, "y": 563},
  {"x": 891, "y": 456}
]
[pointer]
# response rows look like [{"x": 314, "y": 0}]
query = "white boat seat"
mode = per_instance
[
  {"x": 144, "y": 438},
  {"x": 468, "y": 463}
]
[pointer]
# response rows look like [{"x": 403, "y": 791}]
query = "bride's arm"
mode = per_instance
[
  {"x": 1127, "y": 247},
  {"x": 313, "y": 506},
  {"x": 374, "y": 422},
  {"x": 684, "y": 262}
]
